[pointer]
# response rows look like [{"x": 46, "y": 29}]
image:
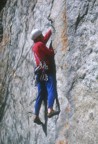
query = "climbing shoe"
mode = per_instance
[
  {"x": 37, "y": 120},
  {"x": 52, "y": 113}
]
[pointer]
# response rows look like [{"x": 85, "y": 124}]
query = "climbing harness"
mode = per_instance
[{"x": 41, "y": 70}]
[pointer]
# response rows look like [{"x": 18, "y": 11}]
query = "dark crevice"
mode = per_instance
[
  {"x": 80, "y": 18},
  {"x": 2, "y": 4},
  {"x": 5, "y": 93},
  {"x": 1, "y": 30},
  {"x": 2, "y": 108},
  {"x": 50, "y": 19},
  {"x": 93, "y": 3},
  {"x": 35, "y": 2}
]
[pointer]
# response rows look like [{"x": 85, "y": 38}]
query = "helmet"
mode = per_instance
[{"x": 35, "y": 33}]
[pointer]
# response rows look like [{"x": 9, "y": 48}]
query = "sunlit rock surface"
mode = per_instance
[{"x": 75, "y": 41}]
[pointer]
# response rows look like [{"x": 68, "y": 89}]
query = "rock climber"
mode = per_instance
[{"x": 46, "y": 81}]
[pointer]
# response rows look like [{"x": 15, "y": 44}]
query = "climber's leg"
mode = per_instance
[
  {"x": 40, "y": 97},
  {"x": 51, "y": 90}
]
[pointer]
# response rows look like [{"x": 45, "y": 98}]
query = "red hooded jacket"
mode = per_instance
[{"x": 41, "y": 52}]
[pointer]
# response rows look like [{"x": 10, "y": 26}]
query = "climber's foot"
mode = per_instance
[
  {"x": 52, "y": 113},
  {"x": 37, "y": 120}
]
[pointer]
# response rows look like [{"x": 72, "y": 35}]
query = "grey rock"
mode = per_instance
[{"x": 75, "y": 41}]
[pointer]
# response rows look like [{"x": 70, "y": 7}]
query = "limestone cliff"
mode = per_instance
[{"x": 75, "y": 25}]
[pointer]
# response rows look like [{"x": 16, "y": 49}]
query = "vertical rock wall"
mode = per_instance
[
  {"x": 75, "y": 43},
  {"x": 83, "y": 70}
]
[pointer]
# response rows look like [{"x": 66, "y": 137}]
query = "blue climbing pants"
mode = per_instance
[{"x": 46, "y": 92}]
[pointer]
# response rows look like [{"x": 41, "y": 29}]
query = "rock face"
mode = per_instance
[{"x": 75, "y": 25}]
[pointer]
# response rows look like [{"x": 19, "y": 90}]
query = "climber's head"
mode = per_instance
[{"x": 36, "y": 35}]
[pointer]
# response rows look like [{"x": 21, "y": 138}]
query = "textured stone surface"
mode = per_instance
[
  {"x": 82, "y": 58},
  {"x": 75, "y": 34}
]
